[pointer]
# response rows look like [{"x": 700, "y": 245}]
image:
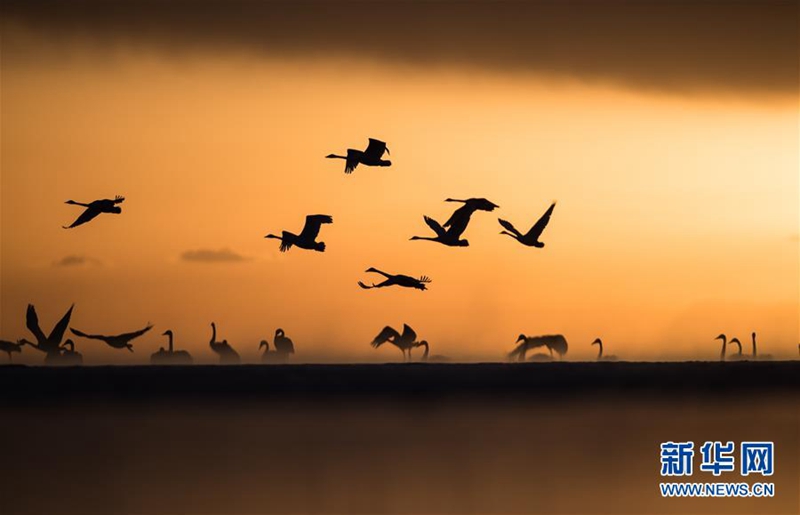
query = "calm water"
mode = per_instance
[{"x": 585, "y": 454}]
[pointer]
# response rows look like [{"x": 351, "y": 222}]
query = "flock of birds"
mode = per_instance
[{"x": 450, "y": 234}]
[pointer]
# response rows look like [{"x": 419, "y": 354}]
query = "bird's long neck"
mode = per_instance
[
  {"x": 213, "y": 334},
  {"x": 335, "y": 156},
  {"x": 722, "y": 352},
  {"x": 755, "y": 352},
  {"x": 427, "y": 349},
  {"x": 428, "y": 238},
  {"x": 600, "y": 350},
  {"x": 170, "y": 342}
]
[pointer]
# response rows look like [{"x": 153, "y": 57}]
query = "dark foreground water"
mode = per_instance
[{"x": 558, "y": 438}]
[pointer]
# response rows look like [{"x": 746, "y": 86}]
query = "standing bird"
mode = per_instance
[
  {"x": 369, "y": 157},
  {"x": 119, "y": 341},
  {"x": 69, "y": 356},
  {"x": 9, "y": 347},
  {"x": 397, "y": 280},
  {"x": 531, "y": 239},
  {"x": 405, "y": 342},
  {"x": 553, "y": 342},
  {"x": 50, "y": 345},
  {"x": 755, "y": 351},
  {"x": 739, "y": 356},
  {"x": 724, "y": 346},
  {"x": 307, "y": 238},
  {"x": 450, "y": 233},
  {"x": 227, "y": 354},
  {"x": 600, "y": 356},
  {"x": 170, "y": 356},
  {"x": 95, "y": 208},
  {"x": 283, "y": 347},
  {"x": 436, "y": 358}
]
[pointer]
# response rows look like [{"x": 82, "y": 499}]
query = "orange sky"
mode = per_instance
[{"x": 677, "y": 214}]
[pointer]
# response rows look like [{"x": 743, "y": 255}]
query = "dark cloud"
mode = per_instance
[
  {"x": 212, "y": 256},
  {"x": 737, "y": 46},
  {"x": 76, "y": 260}
]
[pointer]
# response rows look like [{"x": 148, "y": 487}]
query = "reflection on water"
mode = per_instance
[{"x": 597, "y": 455}]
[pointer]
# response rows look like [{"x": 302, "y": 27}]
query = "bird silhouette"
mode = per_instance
[
  {"x": 724, "y": 346},
  {"x": 397, "y": 280},
  {"x": 119, "y": 341},
  {"x": 450, "y": 233},
  {"x": 68, "y": 355},
  {"x": 436, "y": 358},
  {"x": 51, "y": 344},
  {"x": 553, "y": 342},
  {"x": 405, "y": 342},
  {"x": 739, "y": 356},
  {"x": 227, "y": 354},
  {"x": 170, "y": 356},
  {"x": 307, "y": 238},
  {"x": 95, "y": 208},
  {"x": 9, "y": 347},
  {"x": 600, "y": 356},
  {"x": 283, "y": 347},
  {"x": 531, "y": 238},
  {"x": 369, "y": 157},
  {"x": 756, "y": 355}
]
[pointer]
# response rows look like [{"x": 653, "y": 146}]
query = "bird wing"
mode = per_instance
[
  {"x": 465, "y": 210},
  {"x": 313, "y": 223},
  {"x": 509, "y": 227},
  {"x": 538, "y": 228},
  {"x": 119, "y": 199},
  {"x": 86, "y": 216},
  {"x": 375, "y": 149},
  {"x": 459, "y": 220},
  {"x": 384, "y": 336},
  {"x": 351, "y": 162},
  {"x": 483, "y": 204},
  {"x": 32, "y": 321},
  {"x": 433, "y": 224},
  {"x": 284, "y": 345},
  {"x": 409, "y": 335},
  {"x": 135, "y": 334},
  {"x": 58, "y": 331},
  {"x": 90, "y": 336}
]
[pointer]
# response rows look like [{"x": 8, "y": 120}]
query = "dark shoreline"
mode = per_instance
[{"x": 24, "y": 384}]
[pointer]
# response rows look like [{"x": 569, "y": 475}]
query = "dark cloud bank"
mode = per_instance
[
  {"x": 212, "y": 256},
  {"x": 740, "y": 47},
  {"x": 76, "y": 260}
]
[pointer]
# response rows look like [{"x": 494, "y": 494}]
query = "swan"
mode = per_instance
[
  {"x": 531, "y": 238},
  {"x": 397, "y": 280},
  {"x": 307, "y": 238},
  {"x": 405, "y": 342},
  {"x": 436, "y": 358},
  {"x": 739, "y": 356},
  {"x": 369, "y": 157},
  {"x": 119, "y": 341},
  {"x": 724, "y": 346},
  {"x": 68, "y": 356},
  {"x": 227, "y": 354},
  {"x": 170, "y": 356},
  {"x": 9, "y": 347},
  {"x": 95, "y": 208},
  {"x": 600, "y": 356},
  {"x": 284, "y": 346},
  {"x": 51, "y": 344},
  {"x": 450, "y": 233},
  {"x": 764, "y": 357},
  {"x": 553, "y": 342}
]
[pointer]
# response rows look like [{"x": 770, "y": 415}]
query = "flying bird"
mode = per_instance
[
  {"x": 227, "y": 354},
  {"x": 405, "y": 342},
  {"x": 369, "y": 157},
  {"x": 119, "y": 341},
  {"x": 397, "y": 280},
  {"x": 95, "y": 208},
  {"x": 450, "y": 233},
  {"x": 307, "y": 238},
  {"x": 531, "y": 238},
  {"x": 51, "y": 344}
]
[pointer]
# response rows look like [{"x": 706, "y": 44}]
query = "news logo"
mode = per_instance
[{"x": 718, "y": 458}]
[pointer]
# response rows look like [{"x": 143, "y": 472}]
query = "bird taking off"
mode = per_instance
[
  {"x": 405, "y": 342},
  {"x": 531, "y": 239},
  {"x": 450, "y": 233},
  {"x": 119, "y": 341},
  {"x": 307, "y": 238},
  {"x": 51, "y": 344},
  {"x": 95, "y": 208},
  {"x": 397, "y": 280},
  {"x": 369, "y": 157}
]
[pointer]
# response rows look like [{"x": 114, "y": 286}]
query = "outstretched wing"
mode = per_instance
[
  {"x": 286, "y": 242},
  {"x": 135, "y": 334},
  {"x": 313, "y": 223},
  {"x": 61, "y": 327},
  {"x": 86, "y": 216},
  {"x": 119, "y": 199},
  {"x": 351, "y": 162},
  {"x": 509, "y": 227},
  {"x": 375, "y": 149},
  {"x": 384, "y": 336},
  {"x": 433, "y": 224},
  {"x": 459, "y": 220},
  {"x": 409, "y": 335},
  {"x": 32, "y": 321},
  {"x": 537, "y": 229},
  {"x": 84, "y": 335}
]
